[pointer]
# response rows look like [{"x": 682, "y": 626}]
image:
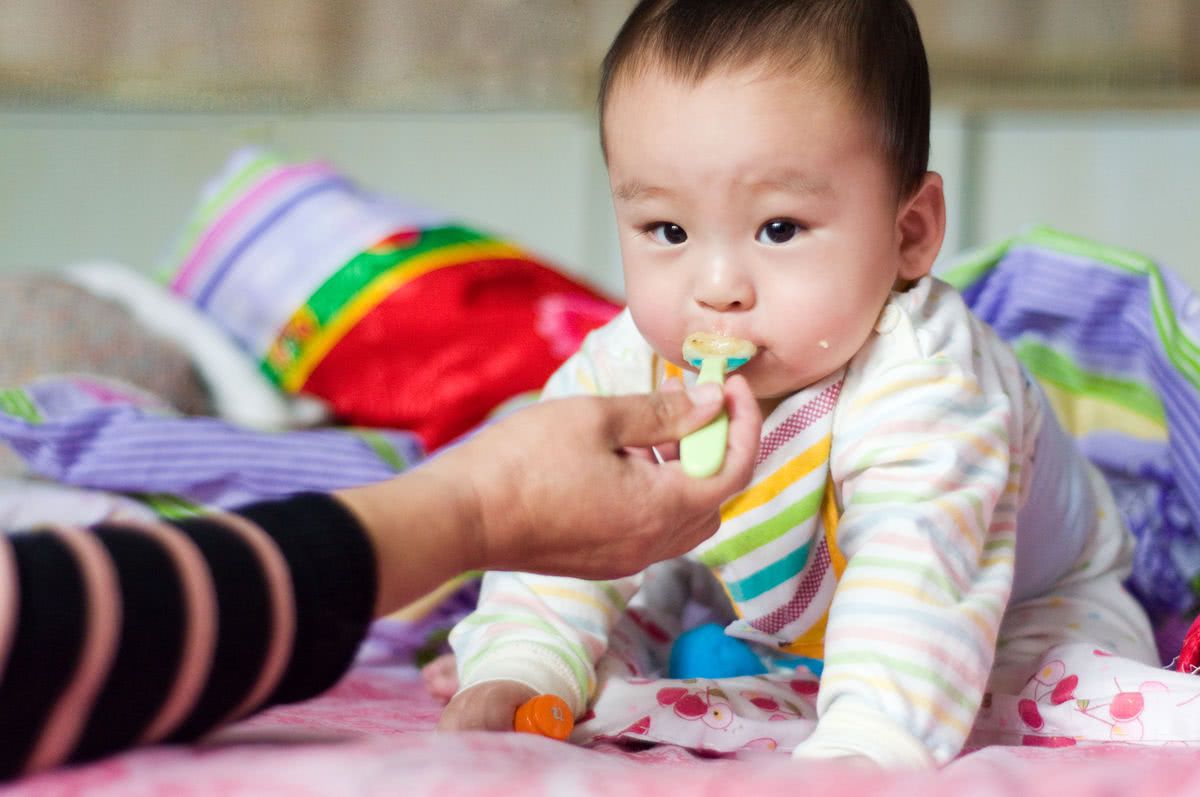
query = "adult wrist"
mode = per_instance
[
  {"x": 482, "y": 488},
  {"x": 419, "y": 525}
]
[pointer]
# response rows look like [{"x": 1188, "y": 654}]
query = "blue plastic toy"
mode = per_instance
[{"x": 706, "y": 651}]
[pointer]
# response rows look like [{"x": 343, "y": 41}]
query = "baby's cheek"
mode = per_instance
[{"x": 659, "y": 326}]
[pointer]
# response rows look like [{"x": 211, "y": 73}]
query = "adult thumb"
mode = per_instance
[{"x": 662, "y": 416}]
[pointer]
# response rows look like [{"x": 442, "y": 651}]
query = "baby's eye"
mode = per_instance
[
  {"x": 667, "y": 233},
  {"x": 778, "y": 231}
]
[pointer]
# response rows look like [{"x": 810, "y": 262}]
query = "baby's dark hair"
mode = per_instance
[{"x": 870, "y": 48}]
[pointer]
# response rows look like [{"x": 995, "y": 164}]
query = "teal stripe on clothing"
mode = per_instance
[{"x": 770, "y": 576}]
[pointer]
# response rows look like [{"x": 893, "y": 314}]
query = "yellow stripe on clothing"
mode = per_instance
[
  {"x": 575, "y": 595},
  {"x": 923, "y": 702},
  {"x": 817, "y": 455},
  {"x": 969, "y": 385}
]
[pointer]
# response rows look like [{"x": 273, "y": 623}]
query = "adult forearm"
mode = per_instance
[
  {"x": 132, "y": 632},
  {"x": 424, "y": 529}
]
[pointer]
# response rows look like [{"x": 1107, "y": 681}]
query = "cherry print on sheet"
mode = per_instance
[
  {"x": 1050, "y": 684},
  {"x": 712, "y": 708},
  {"x": 775, "y": 708},
  {"x": 1083, "y": 695},
  {"x": 713, "y": 717},
  {"x": 1124, "y": 711}
]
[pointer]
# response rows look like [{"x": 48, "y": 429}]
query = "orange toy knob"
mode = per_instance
[{"x": 548, "y": 715}]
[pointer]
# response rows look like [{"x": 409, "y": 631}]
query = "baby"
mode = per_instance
[{"x": 918, "y": 528}]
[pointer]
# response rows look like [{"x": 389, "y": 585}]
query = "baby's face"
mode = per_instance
[{"x": 754, "y": 206}]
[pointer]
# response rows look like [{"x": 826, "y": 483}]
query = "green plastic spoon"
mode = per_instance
[{"x": 702, "y": 452}]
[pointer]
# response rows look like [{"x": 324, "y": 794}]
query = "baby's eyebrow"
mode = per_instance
[
  {"x": 793, "y": 183},
  {"x": 631, "y": 190}
]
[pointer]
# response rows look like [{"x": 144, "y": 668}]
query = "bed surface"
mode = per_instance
[{"x": 373, "y": 734}]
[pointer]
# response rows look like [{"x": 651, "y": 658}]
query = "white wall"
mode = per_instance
[
  {"x": 1130, "y": 179},
  {"x": 77, "y": 185}
]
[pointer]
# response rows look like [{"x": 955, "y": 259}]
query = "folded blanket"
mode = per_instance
[{"x": 94, "y": 434}]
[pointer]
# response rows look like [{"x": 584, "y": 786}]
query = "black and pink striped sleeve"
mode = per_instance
[{"x": 132, "y": 633}]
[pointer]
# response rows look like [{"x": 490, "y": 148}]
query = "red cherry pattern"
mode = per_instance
[
  {"x": 1064, "y": 690},
  {"x": 690, "y": 706},
  {"x": 670, "y": 695},
  {"x": 1029, "y": 714},
  {"x": 1047, "y": 741},
  {"x": 1126, "y": 706},
  {"x": 642, "y": 726}
]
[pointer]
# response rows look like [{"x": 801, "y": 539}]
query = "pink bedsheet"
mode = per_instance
[{"x": 372, "y": 734}]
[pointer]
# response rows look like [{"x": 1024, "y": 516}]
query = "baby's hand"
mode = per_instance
[
  {"x": 441, "y": 677},
  {"x": 489, "y": 706}
]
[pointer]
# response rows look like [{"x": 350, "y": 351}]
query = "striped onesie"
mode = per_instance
[{"x": 878, "y": 534}]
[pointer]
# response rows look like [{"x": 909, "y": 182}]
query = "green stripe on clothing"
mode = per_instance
[
  {"x": 527, "y": 620},
  {"x": 581, "y": 675},
  {"x": 998, "y": 436},
  {"x": 769, "y": 530},
  {"x": 926, "y": 674},
  {"x": 973, "y": 499},
  {"x": 610, "y": 592},
  {"x": 869, "y": 497},
  {"x": 928, "y": 573}
]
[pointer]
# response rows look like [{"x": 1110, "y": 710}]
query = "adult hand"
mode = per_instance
[
  {"x": 568, "y": 487},
  {"x": 557, "y": 488}
]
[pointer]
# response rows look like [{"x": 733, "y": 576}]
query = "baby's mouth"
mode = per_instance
[{"x": 707, "y": 348}]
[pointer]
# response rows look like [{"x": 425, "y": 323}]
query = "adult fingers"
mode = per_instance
[
  {"x": 745, "y": 431},
  {"x": 645, "y": 420},
  {"x": 745, "y": 427}
]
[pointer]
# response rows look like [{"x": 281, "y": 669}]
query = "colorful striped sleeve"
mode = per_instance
[
  {"x": 928, "y": 459},
  {"x": 132, "y": 633}
]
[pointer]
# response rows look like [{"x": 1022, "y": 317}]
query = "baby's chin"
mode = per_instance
[{"x": 767, "y": 405}]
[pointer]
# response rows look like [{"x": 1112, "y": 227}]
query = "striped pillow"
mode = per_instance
[
  {"x": 1114, "y": 338},
  {"x": 396, "y": 315}
]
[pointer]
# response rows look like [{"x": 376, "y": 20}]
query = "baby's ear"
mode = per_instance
[{"x": 920, "y": 227}]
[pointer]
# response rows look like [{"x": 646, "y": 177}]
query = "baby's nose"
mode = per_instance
[{"x": 725, "y": 287}]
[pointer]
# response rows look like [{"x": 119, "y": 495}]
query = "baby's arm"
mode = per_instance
[
  {"x": 930, "y": 491},
  {"x": 532, "y": 635}
]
